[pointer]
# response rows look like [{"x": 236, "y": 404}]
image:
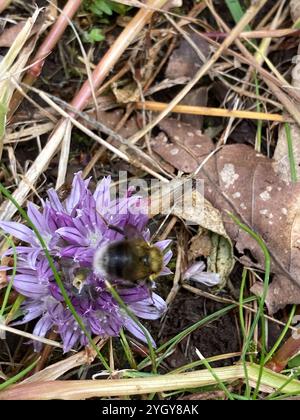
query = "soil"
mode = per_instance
[{"x": 222, "y": 336}]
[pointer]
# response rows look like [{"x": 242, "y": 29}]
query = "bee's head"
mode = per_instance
[{"x": 155, "y": 259}]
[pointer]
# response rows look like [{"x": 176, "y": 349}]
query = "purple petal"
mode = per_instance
[
  {"x": 32, "y": 258},
  {"x": 41, "y": 328},
  {"x": 28, "y": 286},
  {"x": 19, "y": 231},
  {"x": 135, "y": 330},
  {"x": 167, "y": 257},
  {"x": 163, "y": 244},
  {"x": 73, "y": 236},
  {"x": 32, "y": 309},
  {"x": 36, "y": 217},
  {"x": 102, "y": 195},
  {"x": 196, "y": 273},
  {"x": 55, "y": 201},
  {"x": 209, "y": 279},
  {"x": 70, "y": 336},
  {"x": 194, "y": 269},
  {"x": 151, "y": 308},
  {"x": 165, "y": 272},
  {"x": 134, "y": 294},
  {"x": 78, "y": 189}
]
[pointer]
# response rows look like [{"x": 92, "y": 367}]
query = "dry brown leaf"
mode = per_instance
[
  {"x": 196, "y": 210},
  {"x": 200, "y": 245},
  {"x": 9, "y": 34},
  {"x": 126, "y": 94},
  {"x": 56, "y": 370},
  {"x": 239, "y": 180},
  {"x": 196, "y": 97},
  {"x": 184, "y": 61},
  {"x": 295, "y": 9}
]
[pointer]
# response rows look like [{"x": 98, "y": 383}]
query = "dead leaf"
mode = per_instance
[
  {"x": 184, "y": 61},
  {"x": 196, "y": 97},
  {"x": 56, "y": 370},
  {"x": 5, "y": 261},
  {"x": 9, "y": 34},
  {"x": 3, "y": 279},
  {"x": 195, "y": 209},
  {"x": 295, "y": 9},
  {"x": 239, "y": 180},
  {"x": 200, "y": 245},
  {"x": 194, "y": 140},
  {"x": 126, "y": 94},
  {"x": 282, "y": 291},
  {"x": 281, "y": 154}
]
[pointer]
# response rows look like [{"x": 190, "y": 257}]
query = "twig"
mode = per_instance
[
  {"x": 213, "y": 112},
  {"x": 224, "y": 300}
]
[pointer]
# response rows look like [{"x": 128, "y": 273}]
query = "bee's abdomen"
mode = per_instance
[{"x": 117, "y": 260}]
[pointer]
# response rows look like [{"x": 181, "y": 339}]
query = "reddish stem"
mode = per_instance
[
  {"x": 280, "y": 360},
  {"x": 112, "y": 56},
  {"x": 54, "y": 36}
]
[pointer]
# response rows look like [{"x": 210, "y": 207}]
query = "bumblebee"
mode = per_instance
[{"x": 134, "y": 260}]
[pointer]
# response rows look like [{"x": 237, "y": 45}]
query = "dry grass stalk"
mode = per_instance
[
  {"x": 212, "y": 112},
  {"x": 76, "y": 390},
  {"x": 10, "y": 66},
  {"x": 52, "y": 372}
]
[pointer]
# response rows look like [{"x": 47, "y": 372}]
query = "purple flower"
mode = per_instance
[
  {"x": 73, "y": 231},
  {"x": 196, "y": 273}
]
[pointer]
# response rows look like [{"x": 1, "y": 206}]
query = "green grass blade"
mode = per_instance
[
  {"x": 260, "y": 312},
  {"x": 236, "y": 11},
  {"x": 19, "y": 376},
  {"x": 293, "y": 169}
]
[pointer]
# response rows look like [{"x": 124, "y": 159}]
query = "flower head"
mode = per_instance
[{"x": 73, "y": 231}]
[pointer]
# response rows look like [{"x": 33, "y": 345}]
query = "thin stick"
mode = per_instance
[
  {"x": 113, "y": 54},
  {"x": 30, "y": 336},
  {"x": 267, "y": 33},
  {"x": 274, "y": 85},
  {"x": 212, "y": 112}
]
